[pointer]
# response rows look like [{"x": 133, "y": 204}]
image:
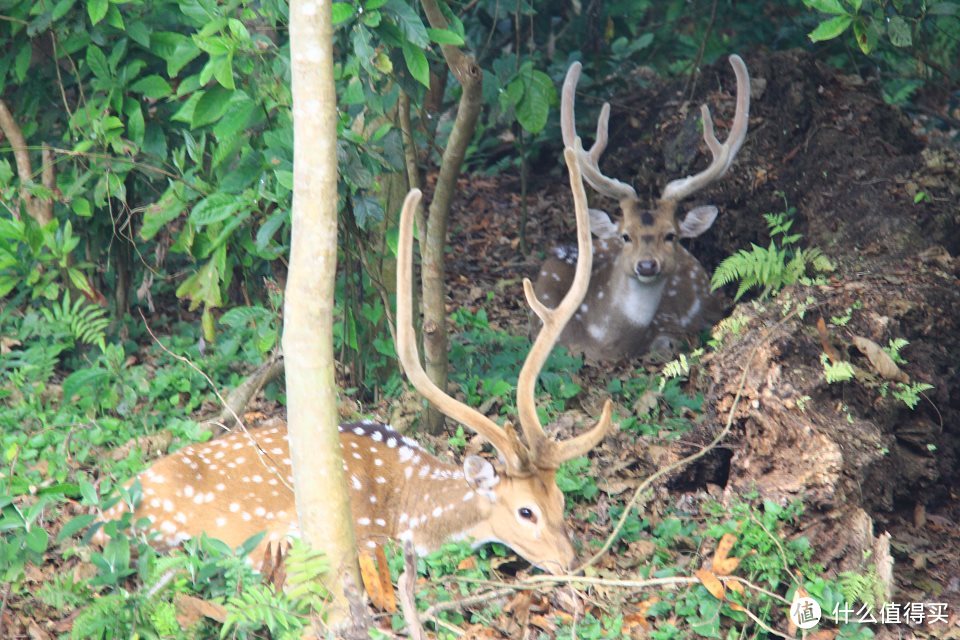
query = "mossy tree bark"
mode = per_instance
[{"x": 323, "y": 504}]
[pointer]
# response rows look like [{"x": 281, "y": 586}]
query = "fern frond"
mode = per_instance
[{"x": 86, "y": 322}]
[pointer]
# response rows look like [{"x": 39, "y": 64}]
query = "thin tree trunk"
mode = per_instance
[
  {"x": 465, "y": 69},
  {"x": 323, "y": 504}
]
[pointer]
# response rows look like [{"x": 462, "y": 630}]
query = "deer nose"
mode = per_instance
[{"x": 647, "y": 268}]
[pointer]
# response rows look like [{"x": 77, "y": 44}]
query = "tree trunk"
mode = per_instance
[
  {"x": 470, "y": 76},
  {"x": 323, "y": 504}
]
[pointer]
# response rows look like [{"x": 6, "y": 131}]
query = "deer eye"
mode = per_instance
[
  {"x": 670, "y": 237},
  {"x": 625, "y": 237},
  {"x": 527, "y": 514}
]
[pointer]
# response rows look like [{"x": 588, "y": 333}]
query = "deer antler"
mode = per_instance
[
  {"x": 504, "y": 440},
  {"x": 589, "y": 160},
  {"x": 546, "y": 453},
  {"x": 723, "y": 154}
]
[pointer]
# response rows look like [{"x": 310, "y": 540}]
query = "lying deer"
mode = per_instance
[
  {"x": 241, "y": 484},
  {"x": 645, "y": 289}
]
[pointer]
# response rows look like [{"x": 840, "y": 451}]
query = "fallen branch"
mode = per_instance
[{"x": 237, "y": 400}]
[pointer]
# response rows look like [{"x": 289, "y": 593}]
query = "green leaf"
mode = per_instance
[
  {"x": 97, "y": 10},
  {"x": 81, "y": 207},
  {"x": 899, "y": 32},
  {"x": 223, "y": 71},
  {"x": 239, "y": 113},
  {"x": 152, "y": 86},
  {"x": 409, "y": 22},
  {"x": 830, "y": 29},
  {"x": 97, "y": 62},
  {"x": 342, "y": 11},
  {"x": 534, "y": 108},
  {"x": 826, "y": 6},
  {"x": 416, "y": 63},
  {"x": 215, "y": 208},
  {"x": 211, "y": 107},
  {"x": 866, "y": 34},
  {"x": 76, "y": 524},
  {"x": 158, "y": 214},
  {"x": 944, "y": 9},
  {"x": 37, "y": 539},
  {"x": 114, "y": 19},
  {"x": 202, "y": 287},
  {"x": 445, "y": 36},
  {"x": 176, "y": 49}
]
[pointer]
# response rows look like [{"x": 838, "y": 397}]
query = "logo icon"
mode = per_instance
[{"x": 805, "y": 612}]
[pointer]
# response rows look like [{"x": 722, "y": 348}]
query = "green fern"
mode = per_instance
[
  {"x": 773, "y": 267},
  {"x": 865, "y": 588},
  {"x": 259, "y": 606},
  {"x": 102, "y": 619},
  {"x": 86, "y": 322}
]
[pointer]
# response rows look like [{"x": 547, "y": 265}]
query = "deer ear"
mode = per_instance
[
  {"x": 480, "y": 475},
  {"x": 697, "y": 221},
  {"x": 601, "y": 225}
]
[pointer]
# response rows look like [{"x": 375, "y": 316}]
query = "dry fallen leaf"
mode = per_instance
[
  {"x": 371, "y": 581},
  {"x": 880, "y": 359},
  {"x": 389, "y": 599},
  {"x": 711, "y": 582},
  {"x": 190, "y": 609},
  {"x": 721, "y": 564},
  {"x": 825, "y": 341}
]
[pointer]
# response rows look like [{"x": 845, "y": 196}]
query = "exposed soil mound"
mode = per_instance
[{"x": 881, "y": 200}]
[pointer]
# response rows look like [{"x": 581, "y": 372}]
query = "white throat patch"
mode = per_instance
[{"x": 638, "y": 302}]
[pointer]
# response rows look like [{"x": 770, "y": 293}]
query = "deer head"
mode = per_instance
[
  {"x": 639, "y": 256},
  {"x": 241, "y": 484}
]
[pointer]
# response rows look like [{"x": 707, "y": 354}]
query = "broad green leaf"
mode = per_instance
[
  {"x": 114, "y": 19},
  {"x": 223, "y": 71},
  {"x": 37, "y": 539},
  {"x": 152, "y": 86},
  {"x": 239, "y": 113},
  {"x": 81, "y": 207},
  {"x": 866, "y": 35},
  {"x": 826, "y": 6},
  {"x": 22, "y": 63},
  {"x": 373, "y": 4},
  {"x": 211, "y": 107},
  {"x": 409, "y": 22},
  {"x": 856, "y": 4},
  {"x": 534, "y": 108},
  {"x": 83, "y": 381},
  {"x": 75, "y": 525},
  {"x": 342, "y": 11},
  {"x": 139, "y": 33},
  {"x": 135, "y": 123},
  {"x": 158, "y": 214},
  {"x": 416, "y": 63},
  {"x": 203, "y": 287},
  {"x": 899, "y": 32},
  {"x": 97, "y": 10},
  {"x": 215, "y": 208},
  {"x": 97, "y": 62},
  {"x": 830, "y": 29},
  {"x": 445, "y": 36},
  {"x": 176, "y": 49}
]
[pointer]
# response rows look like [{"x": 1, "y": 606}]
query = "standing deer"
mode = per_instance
[
  {"x": 645, "y": 288},
  {"x": 241, "y": 484}
]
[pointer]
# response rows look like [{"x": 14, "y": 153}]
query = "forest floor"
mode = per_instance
[{"x": 829, "y": 146}]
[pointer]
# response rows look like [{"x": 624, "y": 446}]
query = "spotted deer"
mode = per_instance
[
  {"x": 646, "y": 289},
  {"x": 241, "y": 484}
]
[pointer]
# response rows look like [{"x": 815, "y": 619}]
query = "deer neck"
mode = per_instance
[
  {"x": 635, "y": 302},
  {"x": 438, "y": 505}
]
